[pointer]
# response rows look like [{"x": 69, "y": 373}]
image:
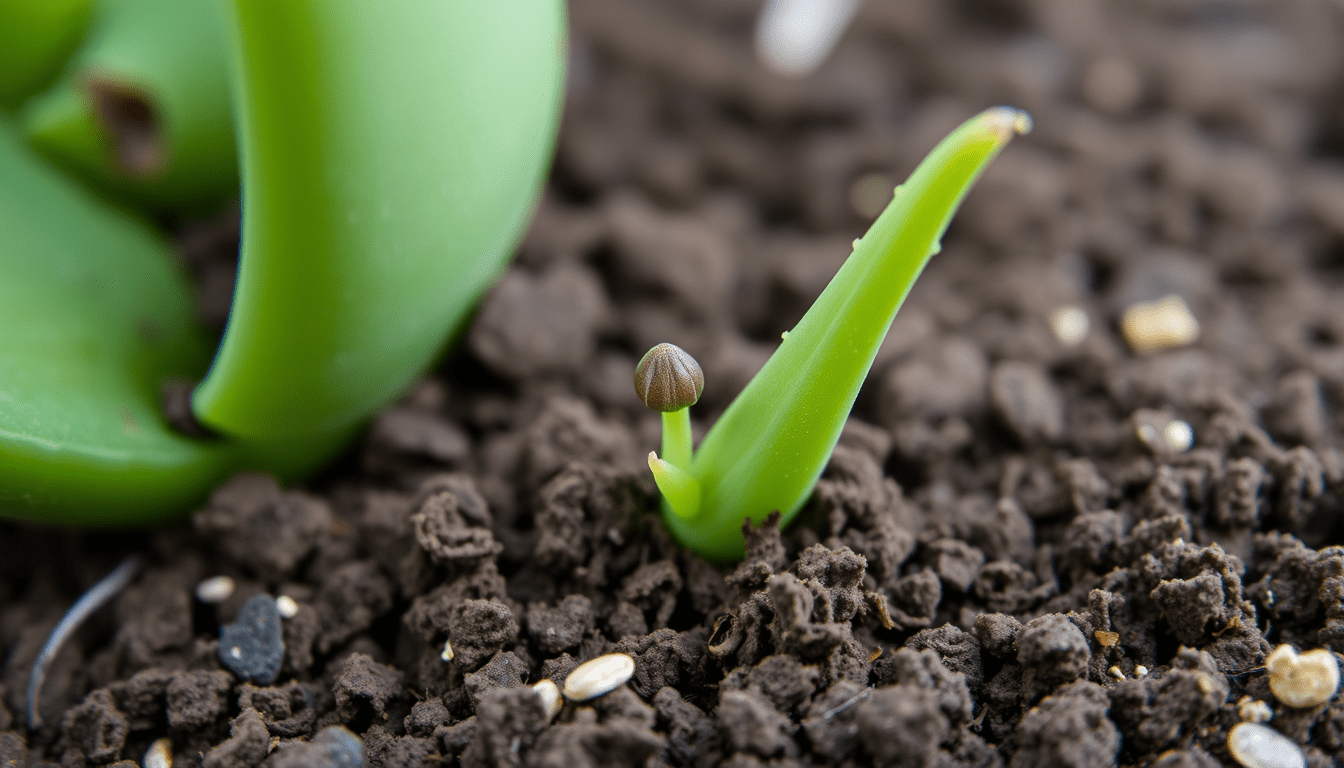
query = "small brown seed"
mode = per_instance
[
  {"x": 599, "y": 676},
  {"x": 668, "y": 379}
]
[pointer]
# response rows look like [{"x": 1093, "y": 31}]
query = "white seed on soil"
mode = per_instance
[
  {"x": 1254, "y": 710},
  {"x": 1070, "y": 325},
  {"x": 159, "y": 754},
  {"x": 550, "y": 696},
  {"x": 599, "y": 676},
  {"x": 1156, "y": 325},
  {"x": 1178, "y": 436},
  {"x": 447, "y": 654},
  {"x": 1116, "y": 673},
  {"x": 215, "y": 589},
  {"x": 1259, "y": 746},
  {"x": 1140, "y": 671},
  {"x": 287, "y": 606},
  {"x": 1306, "y": 680}
]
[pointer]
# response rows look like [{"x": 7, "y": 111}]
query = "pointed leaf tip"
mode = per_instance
[{"x": 1006, "y": 122}]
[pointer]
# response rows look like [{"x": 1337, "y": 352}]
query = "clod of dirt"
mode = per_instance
[
  {"x": 246, "y": 746},
  {"x": 1052, "y": 652},
  {"x": 332, "y": 747},
  {"x": 261, "y": 527},
  {"x": 195, "y": 699},
  {"x": 364, "y": 687},
  {"x": 1068, "y": 729},
  {"x": 253, "y": 647}
]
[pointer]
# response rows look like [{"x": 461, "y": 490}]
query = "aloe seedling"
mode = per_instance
[{"x": 773, "y": 442}]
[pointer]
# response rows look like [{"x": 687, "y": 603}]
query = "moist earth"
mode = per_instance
[{"x": 1009, "y": 560}]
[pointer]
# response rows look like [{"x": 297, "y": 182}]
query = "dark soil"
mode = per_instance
[{"x": 997, "y": 529}]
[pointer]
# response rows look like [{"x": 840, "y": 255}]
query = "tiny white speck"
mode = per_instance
[
  {"x": 1140, "y": 671},
  {"x": 236, "y": 652},
  {"x": 1071, "y": 325},
  {"x": 215, "y": 589},
  {"x": 1178, "y": 435},
  {"x": 447, "y": 654},
  {"x": 287, "y": 606}
]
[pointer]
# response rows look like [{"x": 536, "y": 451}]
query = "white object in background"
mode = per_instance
[{"x": 794, "y": 37}]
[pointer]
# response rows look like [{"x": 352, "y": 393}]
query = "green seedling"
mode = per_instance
[
  {"x": 772, "y": 443},
  {"x": 390, "y": 154}
]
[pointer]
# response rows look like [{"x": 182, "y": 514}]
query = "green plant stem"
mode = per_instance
[
  {"x": 677, "y": 438},
  {"x": 771, "y": 445}
]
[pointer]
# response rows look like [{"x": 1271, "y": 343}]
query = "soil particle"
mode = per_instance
[
  {"x": 1069, "y": 728},
  {"x": 451, "y": 523},
  {"x": 690, "y": 732},
  {"x": 504, "y": 670},
  {"x": 261, "y": 527},
  {"x": 1052, "y": 652},
  {"x": 902, "y": 726},
  {"x": 94, "y": 732},
  {"x": 562, "y": 627},
  {"x": 1027, "y": 401},
  {"x": 1155, "y": 712},
  {"x": 666, "y": 658},
  {"x": 253, "y": 646},
  {"x": 195, "y": 699},
  {"x": 750, "y": 723},
  {"x": 364, "y": 687},
  {"x": 478, "y": 629},
  {"x": 247, "y": 744}
]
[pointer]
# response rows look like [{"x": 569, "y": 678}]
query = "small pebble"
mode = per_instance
[
  {"x": 215, "y": 589},
  {"x": 1254, "y": 710},
  {"x": 447, "y": 653},
  {"x": 1157, "y": 325},
  {"x": 1116, "y": 673},
  {"x": 287, "y": 606},
  {"x": 1259, "y": 746},
  {"x": 1306, "y": 680},
  {"x": 160, "y": 753},
  {"x": 253, "y": 647},
  {"x": 336, "y": 747},
  {"x": 1070, "y": 325},
  {"x": 1140, "y": 671},
  {"x": 550, "y": 696},
  {"x": 599, "y": 676}
]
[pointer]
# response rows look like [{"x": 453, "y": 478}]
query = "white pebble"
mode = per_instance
[
  {"x": 447, "y": 654},
  {"x": 287, "y": 607},
  {"x": 216, "y": 589},
  {"x": 550, "y": 696},
  {"x": 794, "y": 37},
  {"x": 1306, "y": 680},
  {"x": 159, "y": 754},
  {"x": 1140, "y": 671},
  {"x": 1178, "y": 435},
  {"x": 1070, "y": 325},
  {"x": 1259, "y": 746},
  {"x": 1156, "y": 325},
  {"x": 599, "y": 676}
]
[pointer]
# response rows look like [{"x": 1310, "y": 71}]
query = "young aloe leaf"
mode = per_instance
[{"x": 772, "y": 443}]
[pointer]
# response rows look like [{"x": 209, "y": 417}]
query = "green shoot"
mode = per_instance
[{"x": 773, "y": 442}]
